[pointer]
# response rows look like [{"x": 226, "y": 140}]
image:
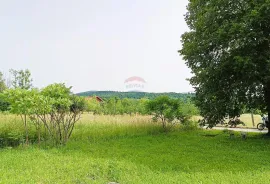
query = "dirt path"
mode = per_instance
[{"x": 241, "y": 129}]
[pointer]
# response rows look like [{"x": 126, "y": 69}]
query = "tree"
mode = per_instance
[
  {"x": 21, "y": 103},
  {"x": 54, "y": 107},
  {"x": 93, "y": 105},
  {"x": 3, "y": 103},
  {"x": 228, "y": 51},
  {"x": 65, "y": 110},
  {"x": 167, "y": 110},
  {"x": 21, "y": 79},
  {"x": 2, "y": 83}
]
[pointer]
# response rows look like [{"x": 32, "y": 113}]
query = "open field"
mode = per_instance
[
  {"x": 246, "y": 118},
  {"x": 127, "y": 149}
]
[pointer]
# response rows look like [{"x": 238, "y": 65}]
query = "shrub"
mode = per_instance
[
  {"x": 169, "y": 111},
  {"x": 54, "y": 109}
]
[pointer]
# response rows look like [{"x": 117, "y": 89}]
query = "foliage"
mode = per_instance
[
  {"x": 136, "y": 153},
  {"x": 63, "y": 111},
  {"x": 168, "y": 110},
  {"x": 118, "y": 106},
  {"x": 227, "y": 49},
  {"x": 92, "y": 105},
  {"x": 4, "y": 105},
  {"x": 54, "y": 107},
  {"x": 133, "y": 95},
  {"x": 2, "y": 83},
  {"x": 21, "y": 79},
  {"x": 114, "y": 106},
  {"x": 21, "y": 103}
]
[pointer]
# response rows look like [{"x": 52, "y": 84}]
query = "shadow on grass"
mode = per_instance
[{"x": 186, "y": 151}]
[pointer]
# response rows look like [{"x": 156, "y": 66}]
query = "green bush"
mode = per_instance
[{"x": 4, "y": 105}]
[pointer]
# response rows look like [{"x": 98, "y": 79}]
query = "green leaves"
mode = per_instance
[
  {"x": 21, "y": 100},
  {"x": 54, "y": 106},
  {"x": 169, "y": 110},
  {"x": 228, "y": 51},
  {"x": 2, "y": 83},
  {"x": 21, "y": 79}
]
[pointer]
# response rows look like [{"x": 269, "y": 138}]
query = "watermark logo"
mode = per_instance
[{"x": 135, "y": 83}]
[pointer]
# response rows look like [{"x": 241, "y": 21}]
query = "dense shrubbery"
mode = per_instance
[
  {"x": 114, "y": 106},
  {"x": 117, "y": 106},
  {"x": 4, "y": 105},
  {"x": 51, "y": 113},
  {"x": 53, "y": 110},
  {"x": 170, "y": 111}
]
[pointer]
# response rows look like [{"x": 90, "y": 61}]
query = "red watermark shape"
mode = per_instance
[{"x": 135, "y": 83}]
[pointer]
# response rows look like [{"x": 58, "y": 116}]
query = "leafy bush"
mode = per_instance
[
  {"x": 4, "y": 105},
  {"x": 53, "y": 109},
  {"x": 169, "y": 111}
]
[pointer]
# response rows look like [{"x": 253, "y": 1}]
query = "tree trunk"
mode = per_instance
[
  {"x": 39, "y": 129},
  {"x": 268, "y": 124},
  {"x": 26, "y": 130},
  {"x": 267, "y": 100}
]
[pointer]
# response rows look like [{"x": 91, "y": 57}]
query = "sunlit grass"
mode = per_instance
[{"x": 246, "y": 118}]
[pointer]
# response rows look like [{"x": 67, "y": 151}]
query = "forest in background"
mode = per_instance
[{"x": 135, "y": 95}]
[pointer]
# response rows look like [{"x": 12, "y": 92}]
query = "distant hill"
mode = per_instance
[{"x": 134, "y": 95}]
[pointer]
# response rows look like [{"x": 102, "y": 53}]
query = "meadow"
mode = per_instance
[{"x": 133, "y": 149}]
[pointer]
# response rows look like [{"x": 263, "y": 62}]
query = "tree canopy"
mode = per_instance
[
  {"x": 228, "y": 51},
  {"x": 54, "y": 108},
  {"x": 134, "y": 95},
  {"x": 21, "y": 79}
]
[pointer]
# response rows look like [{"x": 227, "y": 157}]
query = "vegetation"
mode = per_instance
[
  {"x": 227, "y": 49},
  {"x": 53, "y": 109},
  {"x": 169, "y": 111},
  {"x": 2, "y": 83},
  {"x": 116, "y": 105},
  {"x": 134, "y": 95},
  {"x": 117, "y": 141},
  {"x": 21, "y": 79},
  {"x": 132, "y": 149}
]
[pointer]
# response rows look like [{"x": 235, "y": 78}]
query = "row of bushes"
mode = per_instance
[
  {"x": 53, "y": 110},
  {"x": 117, "y": 106},
  {"x": 51, "y": 113}
]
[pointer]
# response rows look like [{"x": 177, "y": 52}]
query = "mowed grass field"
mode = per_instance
[{"x": 132, "y": 149}]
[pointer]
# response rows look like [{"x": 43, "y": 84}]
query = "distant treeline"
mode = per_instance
[{"x": 134, "y": 95}]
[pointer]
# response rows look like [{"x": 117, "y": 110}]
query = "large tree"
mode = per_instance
[{"x": 228, "y": 51}]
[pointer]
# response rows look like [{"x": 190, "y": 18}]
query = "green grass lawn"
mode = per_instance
[{"x": 140, "y": 153}]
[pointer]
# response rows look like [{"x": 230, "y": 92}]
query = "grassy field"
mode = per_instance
[
  {"x": 246, "y": 118},
  {"x": 128, "y": 149}
]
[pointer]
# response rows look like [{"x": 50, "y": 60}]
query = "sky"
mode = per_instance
[{"x": 95, "y": 44}]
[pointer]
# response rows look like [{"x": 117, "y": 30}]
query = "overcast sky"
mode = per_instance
[{"x": 95, "y": 44}]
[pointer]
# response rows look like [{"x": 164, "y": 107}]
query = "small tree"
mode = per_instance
[
  {"x": 2, "y": 83},
  {"x": 141, "y": 109},
  {"x": 92, "y": 105},
  {"x": 164, "y": 109},
  {"x": 21, "y": 103},
  {"x": 21, "y": 79},
  {"x": 54, "y": 107},
  {"x": 65, "y": 111},
  {"x": 3, "y": 103}
]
